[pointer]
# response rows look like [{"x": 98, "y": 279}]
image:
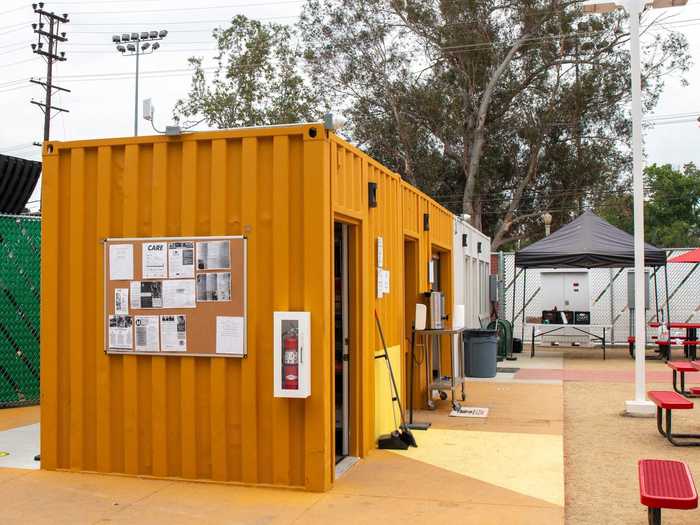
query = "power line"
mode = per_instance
[
  {"x": 180, "y": 22},
  {"x": 18, "y": 62},
  {"x": 12, "y": 10},
  {"x": 199, "y": 8}
]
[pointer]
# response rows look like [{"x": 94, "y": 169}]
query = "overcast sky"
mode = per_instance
[{"x": 101, "y": 102}]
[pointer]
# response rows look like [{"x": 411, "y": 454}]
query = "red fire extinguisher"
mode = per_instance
[{"x": 290, "y": 360}]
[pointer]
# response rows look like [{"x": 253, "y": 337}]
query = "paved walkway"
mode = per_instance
[
  {"x": 596, "y": 376},
  {"x": 507, "y": 468}
]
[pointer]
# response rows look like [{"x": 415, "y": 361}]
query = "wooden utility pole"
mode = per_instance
[{"x": 51, "y": 37}]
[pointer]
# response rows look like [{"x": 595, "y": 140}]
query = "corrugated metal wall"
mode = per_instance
[
  {"x": 399, "y": 214},
  {"x": 186, "y": 417},
  {"x": 216, "y": 418}
]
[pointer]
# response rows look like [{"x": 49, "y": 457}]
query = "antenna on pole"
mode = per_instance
[{"x": 52, "y": 37}]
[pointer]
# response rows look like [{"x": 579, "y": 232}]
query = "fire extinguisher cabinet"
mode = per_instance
[{"x": 292, "y": 359}]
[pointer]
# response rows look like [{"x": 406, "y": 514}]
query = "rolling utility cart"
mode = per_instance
[{"x": 443, "y": 384}]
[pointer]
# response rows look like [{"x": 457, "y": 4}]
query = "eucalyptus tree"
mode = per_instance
[
  {"x": 498, "y": 109},
  {"x": 517, "y": 107},
  {"x": 258, "y": 79}
]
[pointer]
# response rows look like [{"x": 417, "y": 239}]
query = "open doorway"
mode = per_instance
[
  {"x": 412, "y": 385},
  {"x": 342, "y": 341}
]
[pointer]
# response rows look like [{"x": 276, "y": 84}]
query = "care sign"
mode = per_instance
[{"x": 154, "y": 260}]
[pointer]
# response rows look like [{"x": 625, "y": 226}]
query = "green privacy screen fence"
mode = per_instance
[{"x": 20, "y": 248}]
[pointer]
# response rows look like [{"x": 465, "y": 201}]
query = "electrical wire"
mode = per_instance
[
  {"x": 187, "y": 9},
  {"x": 2, "y": 13},
  {"x": 174, "y": 22},
  {"x": 19, "y": 62}
]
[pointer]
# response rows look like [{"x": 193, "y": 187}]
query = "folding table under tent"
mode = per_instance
[{"x": 586, "y": 242}]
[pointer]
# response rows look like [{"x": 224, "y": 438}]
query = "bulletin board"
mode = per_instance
[{"x": 175, "y": 296}]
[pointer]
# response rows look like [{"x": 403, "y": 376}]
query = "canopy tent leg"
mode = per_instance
[
  {"x": 656, "y": 293},
  {"x": 668, "y": 306},
  {"x": 512, "y": 315},
  {"x": 522, "y": 325}
]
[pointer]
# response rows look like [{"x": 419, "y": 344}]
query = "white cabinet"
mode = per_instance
[
  {"x": 292, "y": 354},
  {"x": 565, "y": 290}
]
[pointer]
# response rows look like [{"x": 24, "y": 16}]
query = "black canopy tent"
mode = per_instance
[{"x": 587, "y": 242}]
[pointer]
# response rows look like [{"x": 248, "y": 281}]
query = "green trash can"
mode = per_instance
[{"x": 480, "y": 349}]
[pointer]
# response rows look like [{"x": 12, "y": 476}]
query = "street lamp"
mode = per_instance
[
  {"x": 143, "y": 43},
  {"x": 640, "y": 406},
  {"x": 547, "y": 219}
]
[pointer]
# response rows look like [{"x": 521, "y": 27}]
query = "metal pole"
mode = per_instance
[
  {"x": 668, "y": 301},
  {"x": 136, "y": 91},
  {"x": 501, "y": 286},
  {"x": 515, "y": 282},
  {"x": 656, "y": 293},
  {"x": 640, "y": 405},
  {"x": 522, "y": 324},
  {"x": 612, "y": 306}
]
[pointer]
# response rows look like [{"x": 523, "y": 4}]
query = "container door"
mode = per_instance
[{"x": 342, "y": 355}]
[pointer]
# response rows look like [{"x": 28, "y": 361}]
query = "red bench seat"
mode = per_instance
[
  {"x": 695, "y": 390},
  {"x": 669, "y": 400},
  {"x": 665, "y": 484},
  {"x": 682, "y": 366},
  {"x": 691, "y": 343}
]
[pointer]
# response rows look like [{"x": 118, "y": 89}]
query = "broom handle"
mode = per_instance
[{"x": 391, "y": 370}]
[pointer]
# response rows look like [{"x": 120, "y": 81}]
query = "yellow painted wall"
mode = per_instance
[
  {"x": 186, "y": 417},
  {"x": 386, "y": 418},
  {"x": 216, "y": 418},
  {"x": 399, "y": 214}
]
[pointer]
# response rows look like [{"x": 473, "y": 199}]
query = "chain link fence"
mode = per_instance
[
  {"x": 20, "y": 252},
  {"x": 608, "y": 288}
]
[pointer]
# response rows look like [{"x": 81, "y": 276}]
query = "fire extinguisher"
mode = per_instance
[{"x": 290, "y": 360}]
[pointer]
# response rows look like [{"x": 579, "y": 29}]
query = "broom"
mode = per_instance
[{"x": 405, "y": 434}]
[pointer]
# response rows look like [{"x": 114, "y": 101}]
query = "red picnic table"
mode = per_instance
[{"x": 691, "y": 335}]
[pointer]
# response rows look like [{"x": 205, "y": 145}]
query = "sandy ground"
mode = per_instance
[{"x": 601, "y": 447}]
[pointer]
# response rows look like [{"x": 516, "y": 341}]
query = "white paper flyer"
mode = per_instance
[
  {"x": 173, "y": 333},
  {"x": 120, "y": 332},
  {"x": 147, "y": 333},
  {"x": 121, "y": 262},
  {"x": 179, "y": 293},
  {"x": 154, "y": 260},
  {"x": 214, "y": 286},
  {"x": 121, "y": 301},
  {"x": 213, "y": 255},
  {"x": 181, "y": 260},
  {"x": 146, "y": 294},
  {"x": 230, "y": 335}
]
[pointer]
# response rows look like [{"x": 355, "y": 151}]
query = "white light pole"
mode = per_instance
[
  {"x": 640, "y": 406},
  {"x": 136, "y": 44}
]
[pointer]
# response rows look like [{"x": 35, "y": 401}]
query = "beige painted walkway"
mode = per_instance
[{"x": 504, "y": 469}]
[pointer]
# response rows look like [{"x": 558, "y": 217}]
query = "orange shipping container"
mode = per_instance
[{"x": 291, "y": 190}]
